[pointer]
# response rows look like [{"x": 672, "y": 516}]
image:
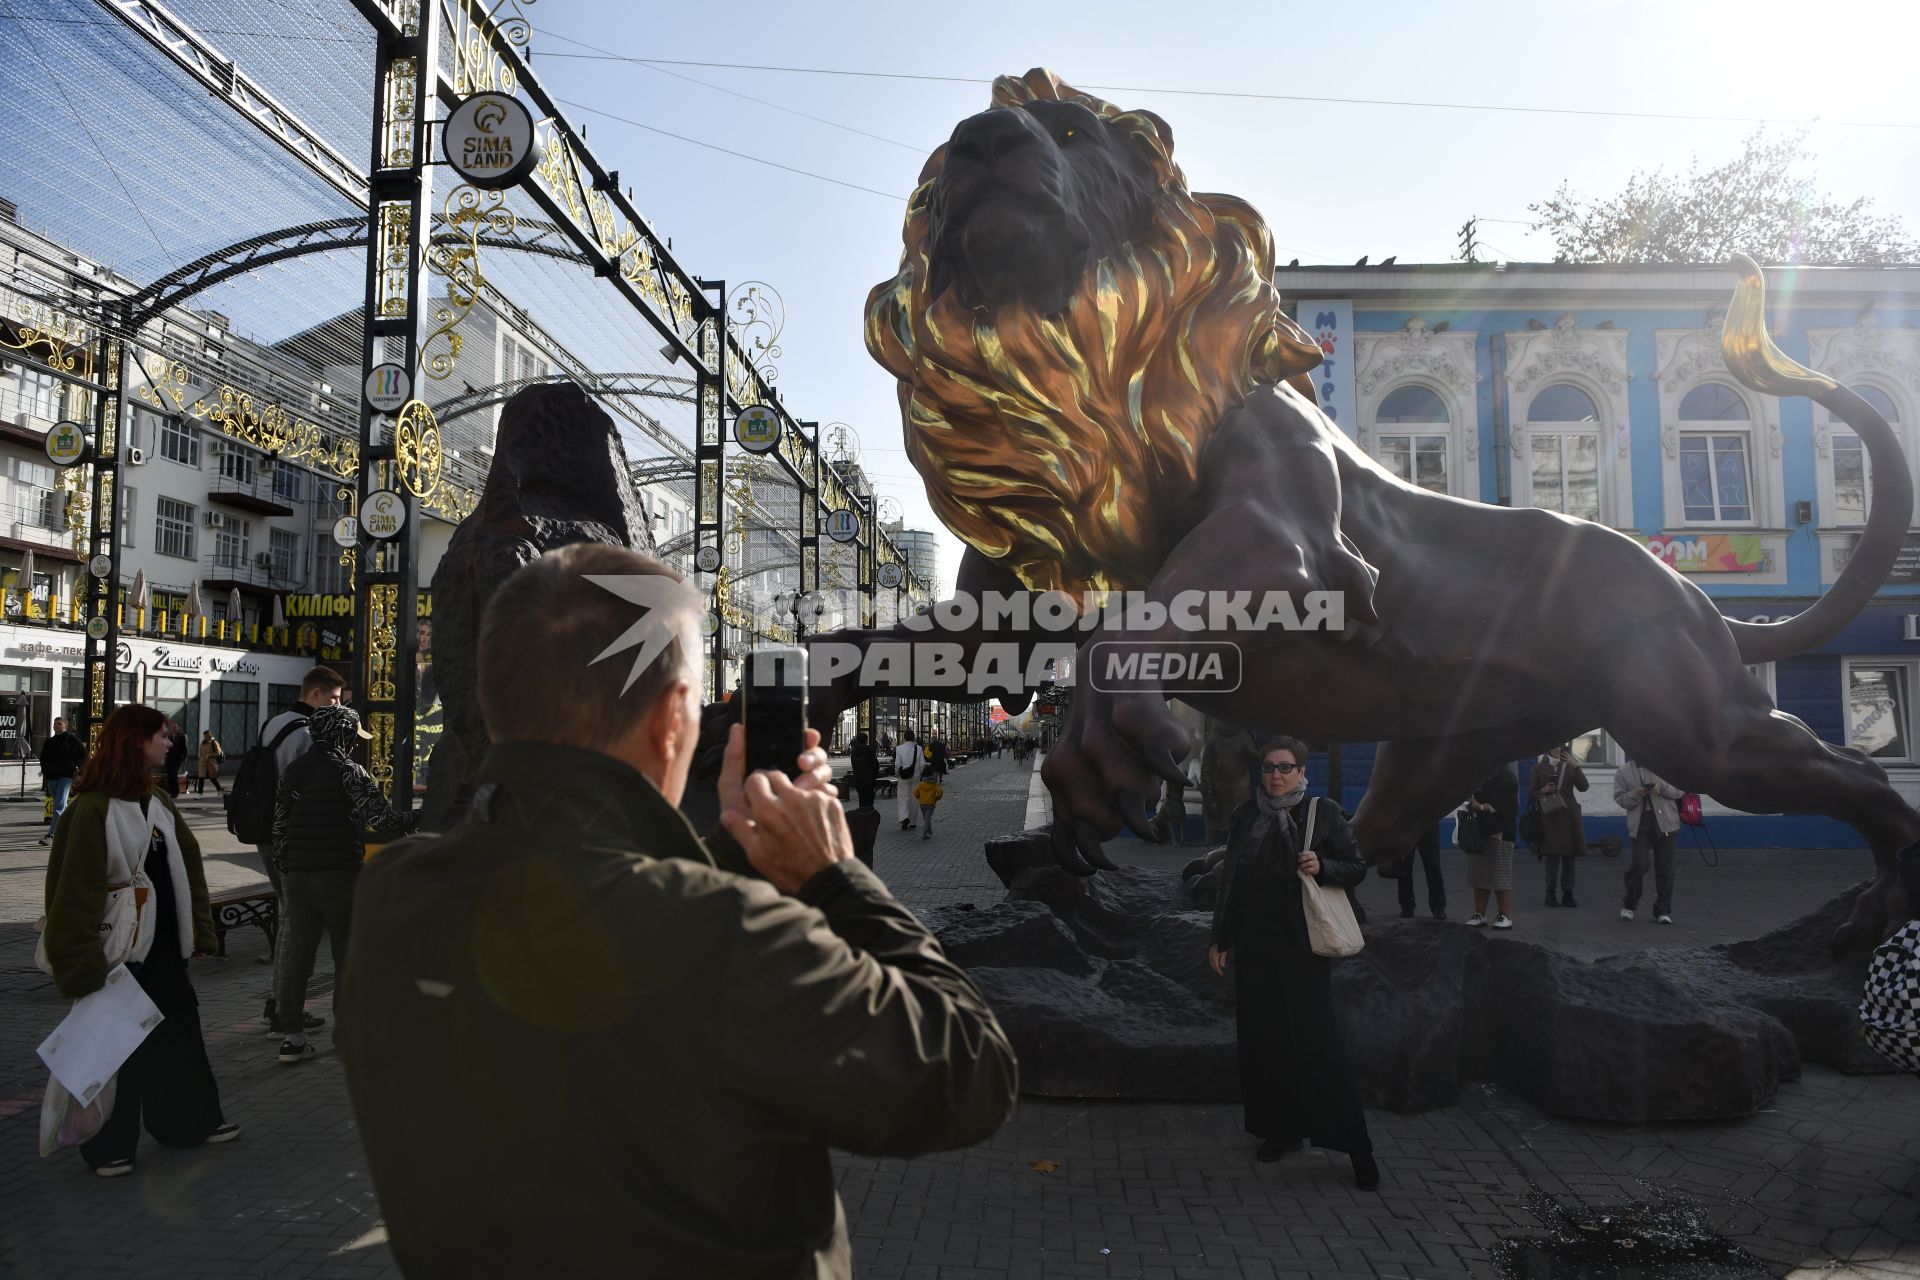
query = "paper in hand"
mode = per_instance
[{"x": 99, "y": 1034}]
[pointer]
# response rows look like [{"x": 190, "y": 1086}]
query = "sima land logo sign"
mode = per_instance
[{"x": 489, "y": 140}]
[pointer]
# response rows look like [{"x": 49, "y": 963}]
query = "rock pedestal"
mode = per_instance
[{"x": 1104, "y": 986}]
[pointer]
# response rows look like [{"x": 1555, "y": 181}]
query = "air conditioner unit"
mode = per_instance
[
  {"x": 136, "y": 457},
  {"x": 264, "y": 560}
]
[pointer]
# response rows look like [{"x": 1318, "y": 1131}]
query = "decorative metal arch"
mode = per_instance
[
  {"x": 174, "y": 288},
  {"x": 657, "y": 386}
]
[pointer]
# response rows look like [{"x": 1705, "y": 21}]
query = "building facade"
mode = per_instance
[{"x": 1600, "y": 392}]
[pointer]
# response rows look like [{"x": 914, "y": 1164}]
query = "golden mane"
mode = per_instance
[{"x": 1046, "y": 442}]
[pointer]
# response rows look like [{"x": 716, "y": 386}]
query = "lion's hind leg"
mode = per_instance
[{"x": 1751, "y": 757}]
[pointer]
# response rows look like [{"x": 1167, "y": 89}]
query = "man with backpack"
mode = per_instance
[
  {"x": 326, "y": 806},
  {"x": 283, "y": 739}
]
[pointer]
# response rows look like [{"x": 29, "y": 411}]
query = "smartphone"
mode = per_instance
[{"x": 773, "y": 708}]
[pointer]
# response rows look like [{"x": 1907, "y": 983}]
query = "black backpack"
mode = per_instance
[{"x": 250, "y": 798}]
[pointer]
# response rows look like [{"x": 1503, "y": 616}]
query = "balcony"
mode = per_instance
[
  {"x": 256, "y": 495},
  {"x": 253, "y": 571}
]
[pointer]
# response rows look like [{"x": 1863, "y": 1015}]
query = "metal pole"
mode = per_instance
[
  {"x": 103, "y": 589},
  {"x": 399, "y": 209},
  {"x": 710, "y": 466}
]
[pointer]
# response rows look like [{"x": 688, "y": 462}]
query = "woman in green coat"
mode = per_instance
[{"x": 120, "y": 831}]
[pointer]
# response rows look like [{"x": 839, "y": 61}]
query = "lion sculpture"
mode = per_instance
[{"x": 1102, "y": 392}]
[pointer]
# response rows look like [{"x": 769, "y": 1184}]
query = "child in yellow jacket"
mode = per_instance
[{"x": 927, "y": 794}]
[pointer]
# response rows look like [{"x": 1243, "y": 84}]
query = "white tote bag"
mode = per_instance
[{"x": 1331, "y": 927}]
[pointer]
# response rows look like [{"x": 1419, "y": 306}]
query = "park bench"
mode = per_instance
[{"x": 254, "y": 905}]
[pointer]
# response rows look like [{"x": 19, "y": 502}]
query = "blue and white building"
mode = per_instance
[{"x": 1599, "y": 391}]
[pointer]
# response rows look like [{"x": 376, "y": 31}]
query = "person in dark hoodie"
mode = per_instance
[
  {"x": 61, "y": 756},
  {"x": 325, "y": 805}
]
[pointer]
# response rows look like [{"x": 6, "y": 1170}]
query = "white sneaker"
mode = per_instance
[
  {"x": 1477, "y": 921},
  {"x": 1503, "y": 923},
  {"x": 1626, "y": 913},
  {"x": 1663, "y": 919}
]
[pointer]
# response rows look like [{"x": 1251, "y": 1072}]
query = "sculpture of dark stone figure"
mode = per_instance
[
  {"x": 1102, "y": 391},
  {"x": 559, "y": 476},
  {"x": 1228, "y": 755}
]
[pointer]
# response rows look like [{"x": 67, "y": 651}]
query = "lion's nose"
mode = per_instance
[{"x": 992, "y": 135}]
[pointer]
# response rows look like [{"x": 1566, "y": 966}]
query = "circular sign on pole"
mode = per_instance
[
  {"x": 889, "y": 575},
  {"x": 100, "y": 566},
  {"x": 843, "y": 525},
  {"x": 96, "y": 628},
  {"x": 489, "y": 141},
  {"x": 66, "y": 444},
  {"x": 387, "y": 387},
  {"x": 709, "y": 623},
  {"x": 757, "y": 429},
  {"x": 346, "y": 532},
  {"x": 384, "y": 514},
  {"x": 707, "y": 559}
]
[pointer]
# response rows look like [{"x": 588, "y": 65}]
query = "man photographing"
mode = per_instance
[{"x": 581, "y": 1040}]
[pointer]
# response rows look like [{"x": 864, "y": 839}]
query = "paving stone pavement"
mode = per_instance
[{"x": 1824, "y": 1183}]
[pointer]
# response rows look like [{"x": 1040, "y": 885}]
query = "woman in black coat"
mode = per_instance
[
  {"x": 1294, "y": 1079},
  {"x": 866, "y": 769}
]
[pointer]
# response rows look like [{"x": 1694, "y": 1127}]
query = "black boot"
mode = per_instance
[
  {"x": 1273, "y": 1148},
  {"x": 1366, "y": 1173}
]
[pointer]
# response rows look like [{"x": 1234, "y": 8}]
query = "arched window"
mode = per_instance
[
  {"x": 1852, "y": 484},
  {"x": 1563, "y": 440},
  {"x": 1716, "y": 440},
  {"x": 1415, "y": 455}
]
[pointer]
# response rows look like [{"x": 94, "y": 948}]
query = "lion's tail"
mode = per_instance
[{"x": 1755, "y": 361}]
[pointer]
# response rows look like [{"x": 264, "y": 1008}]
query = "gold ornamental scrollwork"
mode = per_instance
[
  {"x": 469, "y": 211},
  {"x": 396, "y": 256},
  {"x": 477, "y": 33},
  {"x": 416, "y": 449},
  {"x": 380, "y": 751},
  {"x": 383, "y": 610},
  {"x": 756, "y": 314},
  {"x": 65, "y": 342},
  {"x": 349, "y": 556},
  {"x": 397, "y": 124},
  {"x": 263, "y": 424}
]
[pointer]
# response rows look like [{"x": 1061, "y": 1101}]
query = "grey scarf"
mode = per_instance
[{"x": 1270, "y": 809}]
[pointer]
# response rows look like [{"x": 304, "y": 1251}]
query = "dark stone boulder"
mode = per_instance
[
  {"x": 1629, "y": 1039},
  {"x": 1103, "y": 984},
  {"x": 559, "y": 476}
]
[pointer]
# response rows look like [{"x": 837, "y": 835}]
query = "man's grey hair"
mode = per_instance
[{"x": 578, "y": 646}]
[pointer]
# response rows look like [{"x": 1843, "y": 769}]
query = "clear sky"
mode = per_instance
[{"x": 1335, "y": 180}]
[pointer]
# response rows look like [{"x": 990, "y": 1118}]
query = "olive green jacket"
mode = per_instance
[
  {"x": 580, "y": 1041},
  {"x": 76, "y": 893}
]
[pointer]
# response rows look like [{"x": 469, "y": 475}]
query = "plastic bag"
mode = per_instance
[{"x": 64, "y": 1122}]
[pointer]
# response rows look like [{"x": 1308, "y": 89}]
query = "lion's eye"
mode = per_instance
[{"x": 1070, "y": 134}]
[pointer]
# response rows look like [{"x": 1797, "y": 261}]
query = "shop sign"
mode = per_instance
[
  {"x": 387, "y": 387},
  {"x": 1329, "y": 324},
  {"x": 843, "y": 525},
  {"x": 36, "y": 649},
  {"x": 1906, "y": 561},
  {"x": 9, "y": 726},
  {"x": 757, "y": 429},
  {"x": 1709, "y": 553},
  {"x": 489, "y": 141},
  {"x": 384, "y": 514},
  {"x": 889, "y": 575},
  {"x": 66, "y": 444},
  {"x": 316, "y": 605}
]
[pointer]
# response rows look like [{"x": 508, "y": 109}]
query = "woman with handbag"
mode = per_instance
[
  {"x": 1294, "y": 1079},
  {"x": 211, "y": 755},
  {"x": 122, "y": 834},
  {"x": 1556, "y": 778}
]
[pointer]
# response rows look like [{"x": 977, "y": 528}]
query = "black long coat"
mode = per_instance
[{"x": 1294, "y": 1080}]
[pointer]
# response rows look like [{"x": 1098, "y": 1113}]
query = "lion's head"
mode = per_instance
[{"x": 1068, "y": 324}]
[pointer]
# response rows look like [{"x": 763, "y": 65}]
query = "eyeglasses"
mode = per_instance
[{"x": 1282, "y": 767}]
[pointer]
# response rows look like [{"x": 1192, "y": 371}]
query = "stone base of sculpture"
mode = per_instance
[{"x": 1104, "y": 986}]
